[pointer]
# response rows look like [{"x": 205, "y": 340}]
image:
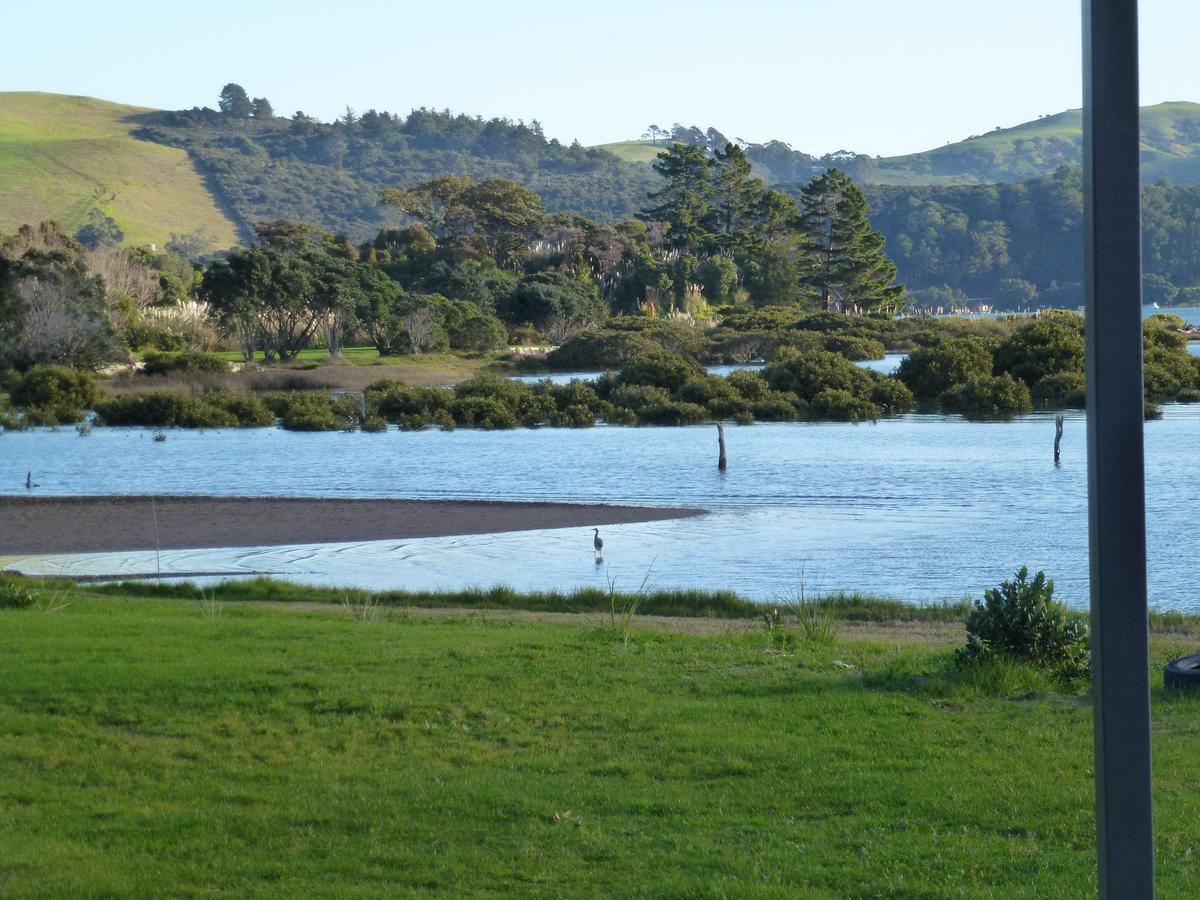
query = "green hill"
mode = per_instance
[
  {"x": 633, "y": 151},
  {"x": 61, "y": 157},
  {"x": 1170, "y": 138}
]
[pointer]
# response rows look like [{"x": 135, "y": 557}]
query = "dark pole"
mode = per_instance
[{"x": 1116, "y": 497}]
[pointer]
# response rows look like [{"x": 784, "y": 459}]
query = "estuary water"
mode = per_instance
[{"x": 920, "y": 507}]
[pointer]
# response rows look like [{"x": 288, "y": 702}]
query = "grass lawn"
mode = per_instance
[{"x": 183, "y": 747}]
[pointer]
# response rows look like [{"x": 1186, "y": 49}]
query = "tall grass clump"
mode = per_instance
[
  {"x": 1021, "y": 621},
  {"x": 14, "y": 595}
]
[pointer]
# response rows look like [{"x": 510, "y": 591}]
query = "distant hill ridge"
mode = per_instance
[
  {"x": 1031, "y": 150},
  {"x": 160, "y": 173}
]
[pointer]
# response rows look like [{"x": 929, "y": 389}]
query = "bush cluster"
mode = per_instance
[
  {"x": 187, "y": 362},
  {"x": 52, "y": 395},
  {"x": 1021, "y": 620},
  {"x": 166, "y": 409}
]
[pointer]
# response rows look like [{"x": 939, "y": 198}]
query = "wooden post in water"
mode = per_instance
[
  {"x": 1058, "y": 430},
  {"x": 721, "y": 447}
]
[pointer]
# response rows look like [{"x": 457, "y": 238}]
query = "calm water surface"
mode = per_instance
[{"x": 921, "y": 507}]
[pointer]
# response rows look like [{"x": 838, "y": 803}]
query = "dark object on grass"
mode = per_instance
[{"x": 1183, "y": 673}]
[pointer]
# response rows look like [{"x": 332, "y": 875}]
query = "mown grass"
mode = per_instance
[{"x": 212, "y": 747}]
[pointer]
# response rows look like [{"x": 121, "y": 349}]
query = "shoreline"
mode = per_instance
[{"x": 38, "y": 526}]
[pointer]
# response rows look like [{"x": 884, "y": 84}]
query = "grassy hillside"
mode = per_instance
[
  {"x": 61, "y": 157},
  {"x": 1170, "y": 137},
  {"x": 633, "y": 151}
]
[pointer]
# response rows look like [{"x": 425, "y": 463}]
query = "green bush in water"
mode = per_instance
[
  {"x": 311, "y": 412},
  {"x": 842, "y": 406},
  {"x": 665, "y": 370},
  {"x": 55, "y": 395},
  {"x": 483, "y": 412},
  {"x": 989, "y": 397}
]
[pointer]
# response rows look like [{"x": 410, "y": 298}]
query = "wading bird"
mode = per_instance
[{"x": 598, "y": 543}]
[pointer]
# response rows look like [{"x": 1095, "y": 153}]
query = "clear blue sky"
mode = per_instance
[{"x": 875, "y": 76}]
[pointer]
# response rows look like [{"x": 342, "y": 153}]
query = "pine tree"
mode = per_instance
[
  {"x": 685, "y": 204},
  {"x": 844, "y": 264},
  {"x": 736, "y": 193}
]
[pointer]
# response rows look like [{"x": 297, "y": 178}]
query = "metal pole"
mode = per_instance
[{"x": 1116, "y": 495}]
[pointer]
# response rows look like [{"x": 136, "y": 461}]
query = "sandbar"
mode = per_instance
[{"x": 44, "y": 525}]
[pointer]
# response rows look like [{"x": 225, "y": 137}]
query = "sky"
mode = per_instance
[{"x": 883, "y": 77}]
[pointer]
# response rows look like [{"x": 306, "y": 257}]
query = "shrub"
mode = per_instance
[
  {"x": 524, "y": 335},
  {"x": 189, "y": 362},
  {"x": 892, "y": 395},
  {"x": 749, "y": 384},
  {"x": 479, "y": 333},
  {"x": 1066, "y": 389},
  {"x": 638, "y": 396},
  {"x": 310, "y": 412},
  {"x": 808, "y": 374},
  {"x": 660, "y": 369},
  {"x": 1022, "y": 620},
  {"x": 853, "y": 347},
  {"x": 59, "y": 394},
  {"x": 1049, "y": 346},
  {"x": 706, "y": 389},
  {"x": 620, "y": 415},
  {"x": 673, "y": 414},
  {"x": 778, "y": 406},
  {"x": 14, "y": 595},
  {"x": 989, "y": 397},
  {"x": 483, "y": 412},
  {"x": 600, "y": 349},
  {"x": 506, "y": 391},
  {"x": 394, "y": 400},
  {"x": 931, "y": 371},
  {"x": 842, "y": 406},
  {"x": 577, "y": 416}
]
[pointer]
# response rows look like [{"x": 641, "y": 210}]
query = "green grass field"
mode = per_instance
[
  {"x": 633, "y": 151},
  {"x": 61, "y": 157},
  {"x": 205, "y": 747}
]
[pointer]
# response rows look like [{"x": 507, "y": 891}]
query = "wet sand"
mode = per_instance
[{"x": 42, "y": 525}]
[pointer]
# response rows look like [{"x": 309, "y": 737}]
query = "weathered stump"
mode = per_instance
[
  {"x": 1058, "y": 433},
  {"x": 721, "y": 461}
]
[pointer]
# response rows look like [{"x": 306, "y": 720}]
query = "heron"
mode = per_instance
[{"x": 598, "y": 543}]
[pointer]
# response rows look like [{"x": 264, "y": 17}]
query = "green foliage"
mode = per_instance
[
  {"x": 311, "y": 412},
  {"x": 930, "y": 371},
  {"x": 600, "y": 349},
  {"x": 1022, "y": 620},
  {"x": 892, "y": 395},
  {"x": 846, "y": 267},
  {"x": 807, "y": 374},
  {"x": 989, "y": 397},
  {"x": 55, "y": 395},
  {"x": 14, "y": 595},
  {"x": 1051, "y": 346},
  {"x": 843, "y": 406},
  {"x": 545, "y": 297},
  {"x": 660, "y": 369},
  {"x": 1066, "y": 389},
  {"x": 188, "y": 362},
  {"x": 164, "y": 409}
]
